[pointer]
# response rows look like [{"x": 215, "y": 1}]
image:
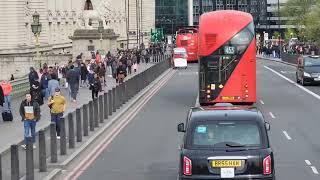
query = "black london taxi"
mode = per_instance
[
  {"x": 225, "y": 142},
  {"x": 308, "y": 70}
]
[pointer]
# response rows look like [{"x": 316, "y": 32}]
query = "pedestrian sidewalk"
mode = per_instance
[
  {"x": 12, "y": 132},
  {"x": 275, "y": 59}
]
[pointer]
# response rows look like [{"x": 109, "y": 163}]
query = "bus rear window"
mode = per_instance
[{"x": 222, "y": 133}]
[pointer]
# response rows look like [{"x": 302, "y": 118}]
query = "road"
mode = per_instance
[{"x": 148, "y": 147}]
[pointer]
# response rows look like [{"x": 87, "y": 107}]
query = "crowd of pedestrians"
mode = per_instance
[{"x": 46, "y": 85}]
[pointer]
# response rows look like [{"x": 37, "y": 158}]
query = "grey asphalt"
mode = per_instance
[{"x": 147, "y": 148}]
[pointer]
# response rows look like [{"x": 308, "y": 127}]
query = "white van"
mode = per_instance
[{"x": 180, "y": 58}]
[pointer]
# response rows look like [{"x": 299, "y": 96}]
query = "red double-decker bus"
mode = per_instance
[
  {"x": 187, "y": 37},
  {"x": 227, "y": 58}
]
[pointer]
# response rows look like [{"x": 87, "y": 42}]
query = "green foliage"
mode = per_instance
[
  {"x": 290, "y": 33},
  {"x": 304, "y": 14},
  {"x": 313, "y": 24},
  {"x": 276, "y": 35}
]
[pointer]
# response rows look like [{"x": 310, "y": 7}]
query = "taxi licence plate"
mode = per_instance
[
  {"x": 226, "y": 163},
  {"x": 317, "y": 79}
]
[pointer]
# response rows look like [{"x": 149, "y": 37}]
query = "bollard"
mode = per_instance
[
  {"x": 114, "y": 99},
  {"x": 96, "y": 113},
  {"x": 53, "y": 143},
  {"x": 14, "y": 162},
  {"x": 101, "y": 110},
  {"x": 85, "y": 120},
  {"x": 106, "y": 105},
  {"x": 63, "y": 140},
  {"x": 91, "y": 116},
  {"x": 110, "y": 102},
  {"x": 42, "y": 152},
  {"x": 29, "y": 160},
  {"x": 71, "y": 131},
  {"x": 79, "y": 125}
]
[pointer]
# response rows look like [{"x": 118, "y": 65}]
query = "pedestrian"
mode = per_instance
[
  {"x": 45, "y": 77},
  {"x": 7, "y": 90},
  {"x": 84, "y": 74},
  {"x": 95, "y": 87},
  {"x": 135, "y": 67},
  {"x": 129, "y": 64},
  {"x": 30, "y": 114},
  {"x": 12, "y": 77},
  {"x": 53, "y": 84},
  {"x": 57, "y": 105},
  {"x": 33, "y": 76},
  {"x": 36, "y": 94},
  {"x": 1, "y": 96},
  {"x": 98, "y": 58},
  {"x": 102, "y": 74},
  {"x": 121, "y": 72},
  {"x": 73, "y": 77}
]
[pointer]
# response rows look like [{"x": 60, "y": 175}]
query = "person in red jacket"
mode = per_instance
[{"x": 7, "y": 90}]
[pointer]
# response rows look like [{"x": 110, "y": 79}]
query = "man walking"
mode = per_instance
[
  {"x": 57, "y": 104},
  {"x": 73, "y": 77},
  {"x": 30, "y": 114}
]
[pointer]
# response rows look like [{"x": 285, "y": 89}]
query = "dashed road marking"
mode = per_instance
[
  {"x": 272, "y": 116},
  {"x": 308, "y": 162},
  {"x": 261, "y": 102},
  {"x": 287, "y": 135},
  {"x": 314, "y": 169},
  {"x": 299, "y": 86}
]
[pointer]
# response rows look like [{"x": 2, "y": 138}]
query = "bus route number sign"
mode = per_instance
[{"x": 229, "y": 50}]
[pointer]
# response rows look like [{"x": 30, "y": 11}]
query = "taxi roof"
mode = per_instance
[{"x": 232, "y": 113}]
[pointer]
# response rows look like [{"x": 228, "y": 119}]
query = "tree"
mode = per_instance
[
  {"x": 313, "y": 24},
  {"x": 297, "y": 12},
  {"x": 276, "y": 35},
  {"x": 290, "y": 33}
]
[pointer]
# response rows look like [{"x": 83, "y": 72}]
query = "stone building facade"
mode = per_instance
[{"x": 60, "y": 18}]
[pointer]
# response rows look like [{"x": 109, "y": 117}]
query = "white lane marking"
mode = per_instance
[
  {"x": 287, "y": 135},
  {"x": 299, "y": 86},
  {"x": 272, "y": 116},
  {"x": 261, "y": 102},
  {"x": 314, "y": 169},
  {"x": 308, "y": 162}
]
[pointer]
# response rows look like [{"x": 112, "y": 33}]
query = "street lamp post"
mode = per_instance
[
  {"x": 36, "y": 27},
  {"x": 100, "y": 30}
]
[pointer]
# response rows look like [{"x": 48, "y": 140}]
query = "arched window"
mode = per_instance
[{"x": 88, "y": 5}]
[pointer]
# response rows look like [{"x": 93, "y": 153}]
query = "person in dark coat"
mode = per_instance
[
  {"x": 73, "y": 77},
  {"x": 33, "y": 76},
  {"x": 95, "y": 87},
  {"x": 84, "y": 73},
  {"x": 1, "y": 97},
  {"x": 36, "y": 94},
  {"x": 121, "y": 72}
]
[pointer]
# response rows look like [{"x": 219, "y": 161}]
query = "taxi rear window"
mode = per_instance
[{"x": 226, "y": 134}]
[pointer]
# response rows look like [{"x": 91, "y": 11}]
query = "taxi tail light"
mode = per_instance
[
  {"x": 267, "y": 165},
  {"x": 187, "y": 166}
]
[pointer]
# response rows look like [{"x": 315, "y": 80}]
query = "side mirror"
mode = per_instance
[
  {"x": 267, "y": 126},
  {"x": 181, "y": 127}
]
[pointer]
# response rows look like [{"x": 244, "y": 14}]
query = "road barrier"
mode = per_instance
[{"x": 87, "y": 117}]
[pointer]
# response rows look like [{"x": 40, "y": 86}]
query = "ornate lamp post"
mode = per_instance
[
  {"x": 100, "y": 30},
  {"x": 36, "y": 27}
]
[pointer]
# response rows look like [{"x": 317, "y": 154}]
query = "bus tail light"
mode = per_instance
[
  {"x": 246, "y": 86},
  {"x": 246, "y": 95},
  {"x": 208, "y": 91},
  {"x": 187, "y": 166},
  {"x": 267, "y": 165}
]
